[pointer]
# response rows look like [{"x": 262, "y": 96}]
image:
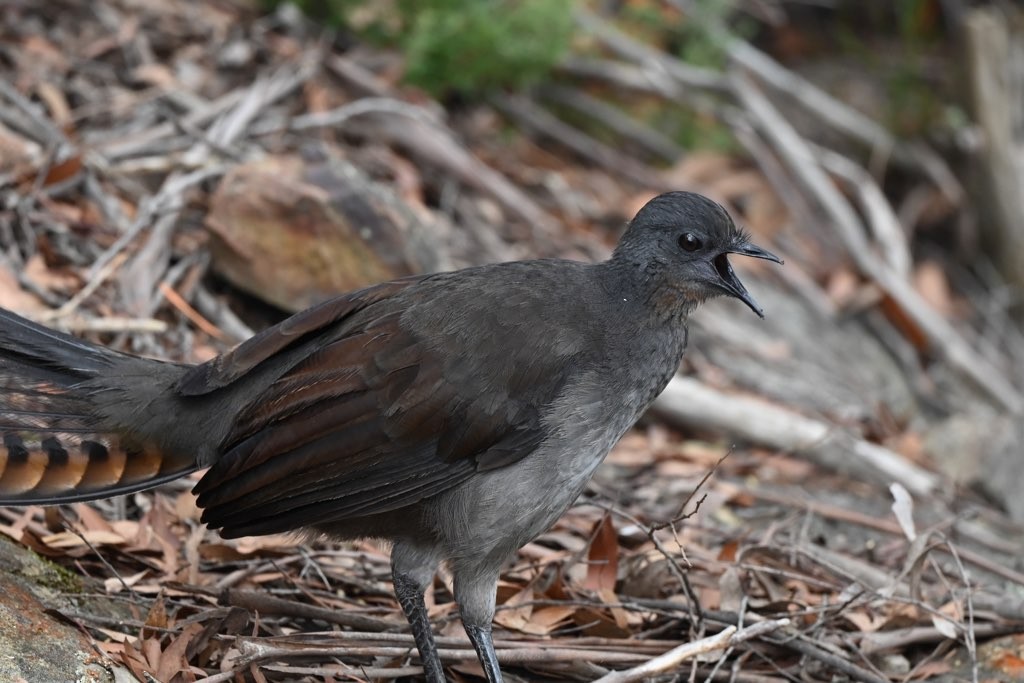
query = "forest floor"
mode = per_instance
[{"x": 832, "y": 494}]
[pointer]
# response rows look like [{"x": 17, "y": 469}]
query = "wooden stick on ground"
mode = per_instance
[
  {"x": 673, "y": 658},
  {"x": 689, "y": 402}
]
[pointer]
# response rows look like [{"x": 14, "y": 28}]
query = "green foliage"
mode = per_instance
[
  {"x": 468, "y": 47},
  {"x": 704, "y": 34},
  {"x": 477, "y": 45},
  {"x": 693, "y": 130}
]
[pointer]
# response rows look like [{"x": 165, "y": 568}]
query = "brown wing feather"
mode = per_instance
[
  {"x": 343, "y": 425},
  {"x": 365, "y": 424},
  {"x": 229, "y": 367},
  {"x": 371, "y": 408}
]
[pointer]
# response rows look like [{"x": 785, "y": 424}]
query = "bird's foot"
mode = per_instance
[{"x": 480, "y": 636}]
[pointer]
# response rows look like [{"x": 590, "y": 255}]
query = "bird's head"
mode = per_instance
[{"x": 681, "y": 242}]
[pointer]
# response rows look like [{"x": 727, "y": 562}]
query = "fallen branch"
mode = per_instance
[
  {"x": 846, "y": 119},
  {"x": 253, "y": 650},
  {"x": 693, "y": 404}
]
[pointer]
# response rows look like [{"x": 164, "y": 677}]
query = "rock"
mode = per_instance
[
  {"x": 294, "y": 233},
  {"x": 36, "y": 646}
]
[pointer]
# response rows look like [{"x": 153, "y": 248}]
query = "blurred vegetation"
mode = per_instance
[
  {"x": 698, "y": 37},
  {"x": 467, "y": 48},
  {"x": 900, "y": 47}
]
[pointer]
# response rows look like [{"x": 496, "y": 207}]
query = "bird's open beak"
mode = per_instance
[{"x": 730, "y": 283}]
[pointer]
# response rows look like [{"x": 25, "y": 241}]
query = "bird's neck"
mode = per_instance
[{"x": 643, "y": 288}]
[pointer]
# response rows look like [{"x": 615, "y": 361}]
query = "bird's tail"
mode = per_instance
[{"x": 60, "y": 442}]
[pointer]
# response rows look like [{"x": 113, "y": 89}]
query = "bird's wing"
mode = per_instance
[
  {"x": 374, "y": 418},
  {"x": 231, "y": 366}
]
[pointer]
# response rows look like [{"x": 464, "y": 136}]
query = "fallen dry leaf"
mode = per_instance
[
  {"x": 603, "y": 558},
  {"x": 546, "y": 619},
  {"x": 515, "y": 611},
  {"x": 94, "y": 538}
]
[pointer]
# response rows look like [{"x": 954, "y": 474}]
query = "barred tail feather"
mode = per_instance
[
  {"x": 49, "y": 468},
  {"x": 53, "y": 447}
]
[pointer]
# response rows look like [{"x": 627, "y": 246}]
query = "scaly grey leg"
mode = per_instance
[
  {"x": 476, "y": 583},
  {"x": 411, "y": 574},
  {"x": 410, "y": 597},
  {"x": 480, "y": 636}
]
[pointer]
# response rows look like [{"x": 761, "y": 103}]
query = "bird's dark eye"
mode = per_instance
[{"x": 690, "y": 242}]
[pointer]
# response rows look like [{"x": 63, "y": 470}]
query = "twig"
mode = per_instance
[
  {"x": 296, "y": 673},
  {"x": 108, "y": 205},
  {"x": 118, "y": 324},
  {"x": 681, "y": 514},
  {"x": 645, "y": 80},
  {"x": 72, "y": 304},
  {"x": 338, "y": 638},
  {"x": 795, "y": 202},
  {"x": 728, "y": 652},
  {"x": 883, "y": 221},
  {"x": 222, "y": 315},
  {"x": 140, "y": 277},
  {"x": 72, "y": 527},
  {"x": 192, "y": 314},
  {"x": 46, "y": 133},
  {"x": 267, "y": 604},
  {"x": 135, "y": 145},
  {"x": 231, "y": 125},
  {"x": 848, "y": 568},
  {"x": 797, "y": 643},
  {"x": 335, "y": 117},
  {"x": 673, "y": 658},
  {"x": 969, "y": 628},
  {"x": 882, "y": 641},
  {"x": 257, "y": 650}
]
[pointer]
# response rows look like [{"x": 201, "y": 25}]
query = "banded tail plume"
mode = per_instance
[{"x": 73, "y": 419}]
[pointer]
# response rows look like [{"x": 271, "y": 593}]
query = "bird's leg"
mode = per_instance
[
  {"x": 475, "y": 593},
  {"x": 480, "y": 636},
  {"x": 412, "y": 573},
  {"x": 410, "y": 597}
]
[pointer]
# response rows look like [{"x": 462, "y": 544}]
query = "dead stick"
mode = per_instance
[
  {"x": 253, "y": 651},
  {"x": 267, "y": 604},
  {"x": 673, "y": 658}
]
